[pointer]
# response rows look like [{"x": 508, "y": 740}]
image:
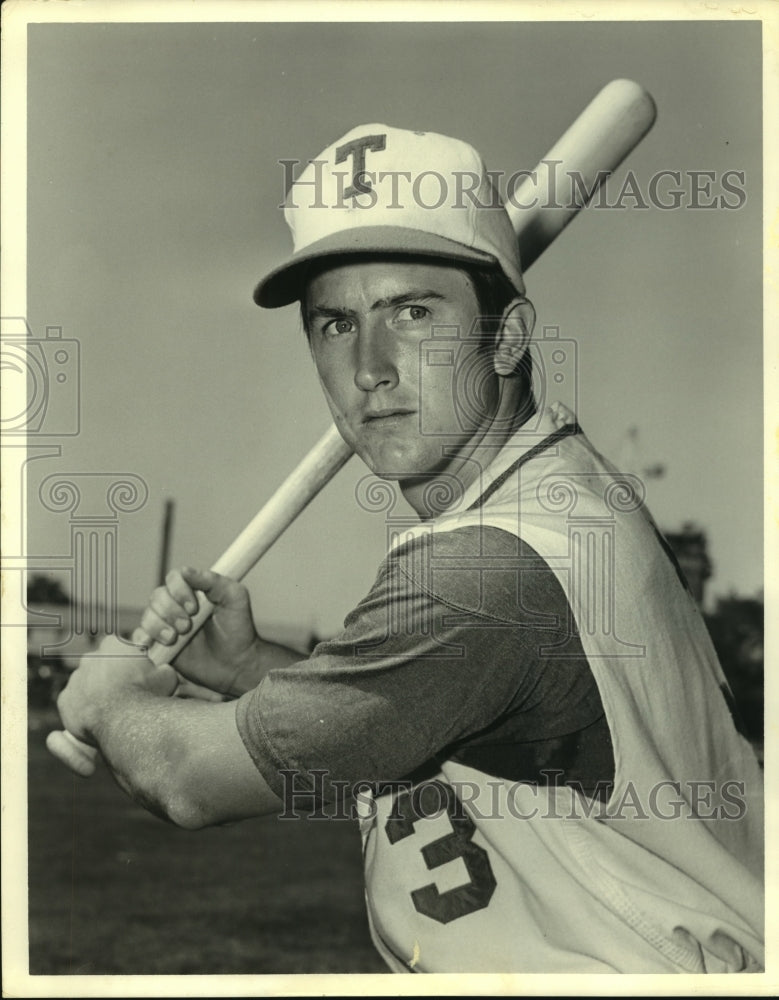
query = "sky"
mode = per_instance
[
  {"x": 154, "y": 186},
  {"x": 150, "y": 153}
]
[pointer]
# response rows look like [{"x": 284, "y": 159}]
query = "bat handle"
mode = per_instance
[
  {"x": 80, "y": 757},
  {"x": 316, "y": 469}
]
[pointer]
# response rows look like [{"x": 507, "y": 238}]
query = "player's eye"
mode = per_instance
[
  {"x": 414, "y": 313},
  {"x": 338, "y": 326}
]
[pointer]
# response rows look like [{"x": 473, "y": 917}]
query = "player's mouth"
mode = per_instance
[{"x": 387, "y": 418}]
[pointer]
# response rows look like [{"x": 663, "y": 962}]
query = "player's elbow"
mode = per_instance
[
  {"x": 171, "y": 802},
  {"x": 171, "y": 791},
  {"x": 197, "y": 798},
  {"x": 186, "y": 814},
  {"x": 186, "y": 804},
  {"x": 205, "y": 776}
]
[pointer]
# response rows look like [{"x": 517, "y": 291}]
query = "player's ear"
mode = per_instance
[{"x": 516, "y": 329}]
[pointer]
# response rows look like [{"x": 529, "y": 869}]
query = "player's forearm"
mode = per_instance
[
  {"x": 181, "y": 759},
  {"x": 138, "y": 739},
  {"x": 270, "y": 656},
  {"x": 265, "y": 656},
  {"x": 232, "y": 679}
]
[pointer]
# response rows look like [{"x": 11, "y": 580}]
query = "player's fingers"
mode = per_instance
[
  {"x": 163, "y": 680},
  {"x": 220, "y": 590},
  {"x": 188, "y": 689},
  {"x": 166, "y": 607},
  {"x": 159, "y": 629},
  {"x": 113, "y": 645},
  {"x": 140, "y": 637},
  {"x": 180, "y": 590}
]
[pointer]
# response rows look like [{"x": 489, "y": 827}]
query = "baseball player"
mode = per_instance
[{"x": 525, "y": 711}]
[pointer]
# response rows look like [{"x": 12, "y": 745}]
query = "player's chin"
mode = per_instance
[
  {"x": 397, "y": 463},
  {"x": 390, "y": 470}
]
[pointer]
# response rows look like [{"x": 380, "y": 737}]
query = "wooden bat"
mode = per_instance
[
  {"x": 596, "y": 143},
  {"x": 319, "y": 466}
]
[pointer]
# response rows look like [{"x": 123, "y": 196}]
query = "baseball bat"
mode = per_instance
[
  {"x": 318, "y": 467},
  {"x": 597, "y": 142},
  {"x": 565, "y": 180}
]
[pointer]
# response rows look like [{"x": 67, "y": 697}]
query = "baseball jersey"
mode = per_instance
[
  {"x": 467, "y": 871},
  {"x": 444, "y": 655}
]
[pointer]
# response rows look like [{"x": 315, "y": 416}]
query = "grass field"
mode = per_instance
[{"x": 113, "y": 890}]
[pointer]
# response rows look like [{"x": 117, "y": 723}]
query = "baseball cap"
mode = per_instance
[{"x": 384, "y": 190}]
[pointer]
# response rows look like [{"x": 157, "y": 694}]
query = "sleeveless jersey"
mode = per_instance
[{"x": 469, "y": 872}]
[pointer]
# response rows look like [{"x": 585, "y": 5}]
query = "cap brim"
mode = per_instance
[{"x": 284, "y": 284}]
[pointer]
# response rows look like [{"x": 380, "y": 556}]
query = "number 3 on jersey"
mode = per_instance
[{"x": 429, "y": 900}]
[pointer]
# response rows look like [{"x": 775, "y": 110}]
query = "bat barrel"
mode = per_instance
[
  {"x": 319, "y": 466},
  {"x": 551, "y": 196}
]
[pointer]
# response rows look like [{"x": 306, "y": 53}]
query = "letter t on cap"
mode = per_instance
[{"x": 357, "y": 149}]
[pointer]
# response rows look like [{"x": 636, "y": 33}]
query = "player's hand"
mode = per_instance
[
  {"x": 223, "y": 656},
  {"x": 100, "y": 679}
]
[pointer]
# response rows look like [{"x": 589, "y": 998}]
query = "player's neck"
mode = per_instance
[{"x": 433, "y": 494}]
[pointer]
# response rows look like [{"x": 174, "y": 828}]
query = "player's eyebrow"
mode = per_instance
[
  {"x": 415, "y": 295},
  {"x": 331, "y": 312}
]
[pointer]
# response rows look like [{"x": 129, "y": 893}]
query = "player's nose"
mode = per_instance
[{"x": 376, "y": 365}]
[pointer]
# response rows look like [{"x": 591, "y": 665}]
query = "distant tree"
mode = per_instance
[
  {"x": 46, "y": 675},
  {"x": 736, "y": 627},
  {"x": 45, "y": 590}
]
